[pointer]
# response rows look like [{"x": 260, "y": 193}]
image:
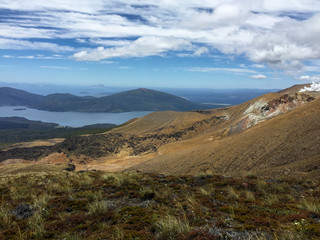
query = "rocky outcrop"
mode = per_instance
[
  {"x": 263, "y": 109},
  {"x": 22, "y": 211}
]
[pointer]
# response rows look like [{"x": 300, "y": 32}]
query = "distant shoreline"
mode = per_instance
[{"x": 220, "y": 104}]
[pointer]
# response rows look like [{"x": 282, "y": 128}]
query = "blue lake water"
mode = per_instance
[{"x": 72, "y": 119}]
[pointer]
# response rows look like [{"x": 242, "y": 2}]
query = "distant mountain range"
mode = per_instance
[{"x": 135, "y": 100}]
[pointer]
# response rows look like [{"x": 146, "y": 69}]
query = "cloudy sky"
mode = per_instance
[{"x": 163, "y": 43}]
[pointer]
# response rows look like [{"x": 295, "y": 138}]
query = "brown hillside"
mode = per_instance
[
  {"x": 286, "y": 144},
  {"x": 159, "y": 121},
  {"x": 277, "y": 133}
]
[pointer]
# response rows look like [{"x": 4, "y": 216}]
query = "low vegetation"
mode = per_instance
[
  {"x": 9, "y": 136},
  {"x": 57, "y": 204}
]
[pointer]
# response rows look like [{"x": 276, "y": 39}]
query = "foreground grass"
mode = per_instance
[{"x": 97, "y": 205}]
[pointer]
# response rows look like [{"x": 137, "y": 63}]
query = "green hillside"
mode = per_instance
[
  {"x": 134, "y": 100},
  {"x": 18, "y": 129},
  {"x": 16, "y": 97},
  {"x": 149, "y": 100}
]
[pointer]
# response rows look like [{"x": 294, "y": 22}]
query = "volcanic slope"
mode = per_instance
[
  {"x": 276, "y": 134},
  {"x": 161, "y": 121}
]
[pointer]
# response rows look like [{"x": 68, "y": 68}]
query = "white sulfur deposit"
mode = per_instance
[{"x": 314, "y": 87}]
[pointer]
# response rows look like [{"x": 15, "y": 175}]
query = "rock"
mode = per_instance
[
  {"x": 315, "y": 217},
  {"x": 148, "y": 196},
  {"x": 70, "y": 168},
  {"x": 23, "y": 211}
]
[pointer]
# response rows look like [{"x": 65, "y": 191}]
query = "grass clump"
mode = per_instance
[
  {"x": 310, "y": 205},
  {"x": 169, "y": 227},
  {"x": 36, "y": 225},
  {"x": 5, "y": 218},
  {"x": 98, "y": 208}
]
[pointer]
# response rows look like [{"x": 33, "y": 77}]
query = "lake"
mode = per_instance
[{"x": 71, "y": 119}]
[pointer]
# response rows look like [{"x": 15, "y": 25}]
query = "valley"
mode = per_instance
[
  {"x": 249, "y": 171},
  {"x": 272, "y": 135}
]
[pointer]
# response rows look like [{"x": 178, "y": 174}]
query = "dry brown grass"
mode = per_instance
[
  {"x": 169, "y": 227},
  {"x": 271, "y": 148}
]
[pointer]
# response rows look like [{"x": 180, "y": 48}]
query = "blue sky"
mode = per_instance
[{"x": 144, "y": 43}]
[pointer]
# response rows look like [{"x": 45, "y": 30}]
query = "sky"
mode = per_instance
[{"x": 164, "y": 43}]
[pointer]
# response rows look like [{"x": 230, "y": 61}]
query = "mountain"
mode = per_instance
[
  {"x": 145, "y": 99},
  {"x": 134, "y": 100},
  {"x": 284, "y": 145},
  {"x": 16, "y": 97},
  {"x": 276, "y": 134},
  {"x": 64, "y": 102}
]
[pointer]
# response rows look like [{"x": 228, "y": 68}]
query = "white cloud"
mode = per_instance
[
  {"x": 313, "y": 68},
  {"x": 37, "y": 5},
  {"x": 272, "y": 32},
  {"x": 289, "y": 67},
  {"x": 124, "y": 67},
  {"x": 109, "y": 43},
  {"x": 201, "y": 51},
  {"x": 233, "y": 70},
  {"x": 107, "y": 62},
  {"x": 305, "y": 77},
  {"x": 258, "y": 76},
  {"x": 26, "y": 57},
  {"x": 38, "y": 56},
  {"x": 6, "y": 43},
  {"x": 55, "y": 67},
  {"x": 309, "y": 78},
  {"x": 142, "y": 47},
  {"x": 258, "y": 65}
]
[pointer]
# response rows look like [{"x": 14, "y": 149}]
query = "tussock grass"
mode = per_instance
[
  {"x": 72, "y": 236},
  {"x": 271, "y": 199},
  {"x": 118, "y": 234},
  {"x": 36, "y": 225},
  {"x": 196, "y": 209},
  {"x": 205, "y": 192},
  {"x": 98, "y": 208},
  {"x": 169, "y": 227},
  {"x": 311, "y": 205},
  {"x": 120, "y": 180},
  {"x": 250, "y": 196},
  {"x": 95, "y": 205},
  {"x": 232, "y": 193},
  {"x": 5, "y": 217}
]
